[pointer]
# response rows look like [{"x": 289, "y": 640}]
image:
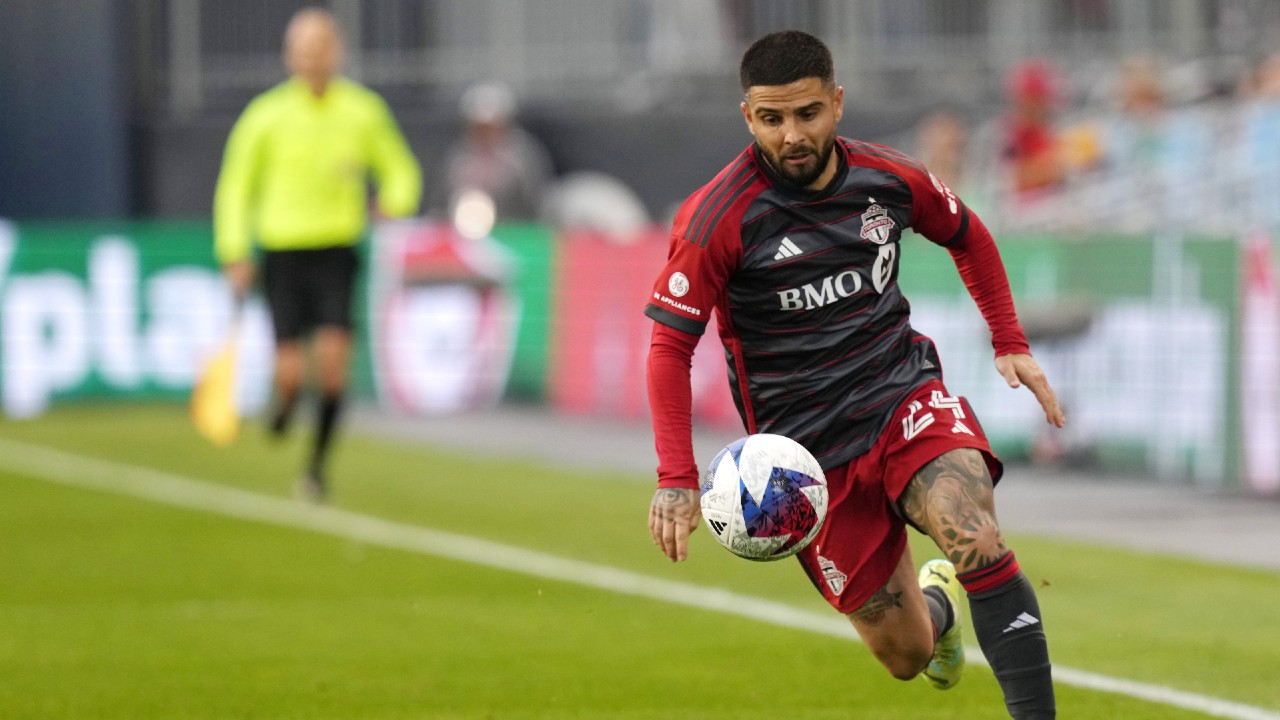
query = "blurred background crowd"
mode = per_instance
[
  {"x": 1126, "y": 152},
  {"x": 1034, "y": 107}
]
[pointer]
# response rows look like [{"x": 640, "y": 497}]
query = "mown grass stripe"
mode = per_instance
[{"x": 175, "y": 490}]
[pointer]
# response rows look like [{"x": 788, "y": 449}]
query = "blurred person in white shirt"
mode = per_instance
[{"x": 495, "y": 156}]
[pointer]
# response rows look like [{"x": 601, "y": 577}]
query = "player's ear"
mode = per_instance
[
  {"x": 746, "y": 115},
  {"x": 837, "y": 99}
]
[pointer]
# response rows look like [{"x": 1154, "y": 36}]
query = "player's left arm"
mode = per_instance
[
  {"x": 941, "y": 217},
  {"x": 1022, "y": 369}
]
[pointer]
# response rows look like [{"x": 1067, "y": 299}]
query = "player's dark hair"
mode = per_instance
[{"x": 783, "y": 57}]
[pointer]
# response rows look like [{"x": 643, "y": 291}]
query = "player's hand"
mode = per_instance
[
  {"x": 1022, "y": 369},
  {"x": 239, "y": 276},
  {"x": 673, "y": 515}
]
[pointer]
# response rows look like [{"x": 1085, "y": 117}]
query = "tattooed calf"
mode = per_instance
[{"x": 873, "y": 611}]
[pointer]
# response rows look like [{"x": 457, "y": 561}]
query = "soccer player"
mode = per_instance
[
  {"x": 293, "y": 182},
  {"x": 795, "y": 246}
]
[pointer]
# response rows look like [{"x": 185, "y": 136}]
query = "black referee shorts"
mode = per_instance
[{"x": 307, "y": 289}]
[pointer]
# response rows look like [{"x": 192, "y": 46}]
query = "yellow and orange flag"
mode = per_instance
[{"x": 213, "y": 398}]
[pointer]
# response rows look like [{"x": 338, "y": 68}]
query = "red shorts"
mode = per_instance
[{"x": 864, "y": 534}]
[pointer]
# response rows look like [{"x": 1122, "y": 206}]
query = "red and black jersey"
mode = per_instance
[{"x": 816, "y": 332}]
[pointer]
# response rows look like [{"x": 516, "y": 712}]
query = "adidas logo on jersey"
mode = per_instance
[{"x": 787, "y": 249}]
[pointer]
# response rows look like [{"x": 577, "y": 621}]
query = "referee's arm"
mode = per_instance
[
  {"x": 232, "y": 199},
  {"x": 395, "y": 169}
]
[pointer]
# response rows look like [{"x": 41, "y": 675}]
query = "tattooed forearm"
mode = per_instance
[
  {"x": 950, "y": 498},
  {"x": 873, "y": 611}
]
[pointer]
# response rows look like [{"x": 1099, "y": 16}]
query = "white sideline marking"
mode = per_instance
[{"x": 96, "y": 474}]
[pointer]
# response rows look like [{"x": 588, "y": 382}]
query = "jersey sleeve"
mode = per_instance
[
  {"x": 670, "y": 405},
  {"x": 936, "y": 212},
  {"x": 694, "y": 277},
  {"x": 940, "y": 216},
  {"x": 398, "y": 174},
  {"x": 699, "y": 262},
  {"x": 233, "y": 195}
]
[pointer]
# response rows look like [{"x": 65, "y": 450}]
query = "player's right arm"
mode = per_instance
[
  {"x": 698, "y": 265},
  {"x": 675, "y": 509}
]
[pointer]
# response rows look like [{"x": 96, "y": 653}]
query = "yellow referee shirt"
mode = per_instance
[{"x": 295, "y": 172}]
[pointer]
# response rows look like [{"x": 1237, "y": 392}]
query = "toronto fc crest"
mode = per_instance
[
  {"x": 877, "y": 226},
  {"x": 836, "y": 580}
]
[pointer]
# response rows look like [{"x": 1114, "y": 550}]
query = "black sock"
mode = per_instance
[
  {"x": 326, "y": 424},
  {"x": 1010, "y": 630},
  {"x": 283, "y": 413},
  {"x": 940, "y": 610}
]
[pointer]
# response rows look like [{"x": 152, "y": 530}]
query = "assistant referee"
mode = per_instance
[{"x": 293, "y": 194}]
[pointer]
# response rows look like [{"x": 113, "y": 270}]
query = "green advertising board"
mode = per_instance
[
  {"x": 533, "y": 249},
  {"x": 1140, "y": 335},
  {"x": 104, "y": 310},
  {"x": 132, "y": 309}
]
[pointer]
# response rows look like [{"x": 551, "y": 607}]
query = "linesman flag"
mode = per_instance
[{"x": 213, "y": 398}]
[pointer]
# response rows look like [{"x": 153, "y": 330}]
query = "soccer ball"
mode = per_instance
[{"x": 764, "y": 497}]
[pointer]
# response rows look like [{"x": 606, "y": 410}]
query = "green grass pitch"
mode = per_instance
[{"x": 117, "y": 607}]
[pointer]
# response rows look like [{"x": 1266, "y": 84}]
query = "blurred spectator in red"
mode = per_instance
[
  {"x": 496, "y": 157},
  {"x": 1031, "y": 152}
]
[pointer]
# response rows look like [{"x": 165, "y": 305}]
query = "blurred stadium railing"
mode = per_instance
[{"x": 202, "y": 55}]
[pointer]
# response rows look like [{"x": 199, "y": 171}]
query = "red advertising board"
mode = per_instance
[{"x": 600, "y": 335}]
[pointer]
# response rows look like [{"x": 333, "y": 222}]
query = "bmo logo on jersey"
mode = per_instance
[
  {"x": 845, "y": 284},
  {"x": 832, "y": 288}
]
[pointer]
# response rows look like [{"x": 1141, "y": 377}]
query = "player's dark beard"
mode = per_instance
[{"x": 803, "y": 176}]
